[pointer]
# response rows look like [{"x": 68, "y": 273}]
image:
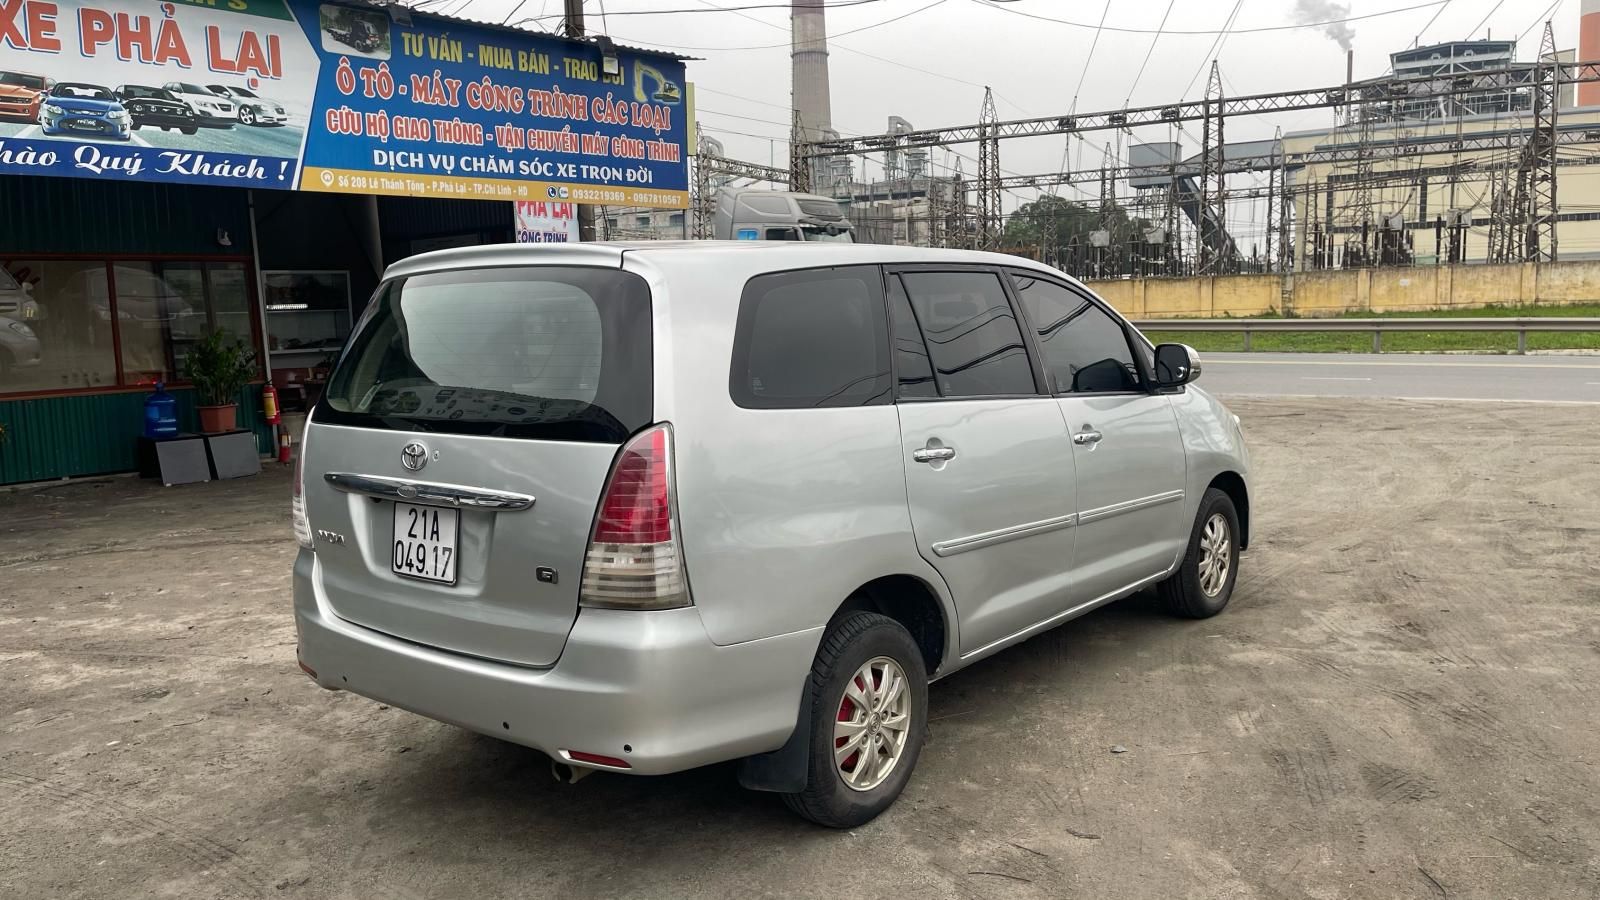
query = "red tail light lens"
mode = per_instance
[
  {"x": 637, "y": 507},
  {"x": 634, "y": 559}
]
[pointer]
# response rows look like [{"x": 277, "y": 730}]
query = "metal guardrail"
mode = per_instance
[{"x": 1521, "y": 325}]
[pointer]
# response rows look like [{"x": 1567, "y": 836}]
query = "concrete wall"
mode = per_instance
[{"x": 1331, "y": 293}]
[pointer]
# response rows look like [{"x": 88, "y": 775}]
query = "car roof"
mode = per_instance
[{"x": 779, "y": 255}]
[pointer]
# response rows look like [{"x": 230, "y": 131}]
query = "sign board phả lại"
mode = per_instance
[
  {"x": 543, "y": 222},
  {"x": 296, "y": 94}
]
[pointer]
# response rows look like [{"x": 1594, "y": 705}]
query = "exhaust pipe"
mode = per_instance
[{"x": 568, "y": 774}]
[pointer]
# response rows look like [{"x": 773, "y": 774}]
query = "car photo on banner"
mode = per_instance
[
  {"x": 222, "y": 82},
  {"x": 81, "y": 109}
]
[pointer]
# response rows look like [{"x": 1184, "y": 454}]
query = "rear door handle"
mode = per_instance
[
  {"x": 933, "y": 454},
  {"x": 1086, "y": 437}
]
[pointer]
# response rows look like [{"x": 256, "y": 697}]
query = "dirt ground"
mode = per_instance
[{"x": 1401, "y": 702}]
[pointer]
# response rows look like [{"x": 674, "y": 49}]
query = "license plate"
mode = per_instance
[{"x": 424, "y": 543}]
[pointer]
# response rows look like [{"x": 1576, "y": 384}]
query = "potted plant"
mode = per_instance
[{"x": 219, "y": 365}]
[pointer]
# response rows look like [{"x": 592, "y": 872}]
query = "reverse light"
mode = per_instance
[
  {"x": 634, "y": 559},
  {"x": 297, "y": 505}
]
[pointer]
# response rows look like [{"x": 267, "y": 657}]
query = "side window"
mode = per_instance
[
  {"x": 782, "y": 234},
  {"x": 910, "y": 353},
  {"x": 1085, "y": 349},
  {"x": 811, "y": 339},
  {"x": 973, "y": 338}
]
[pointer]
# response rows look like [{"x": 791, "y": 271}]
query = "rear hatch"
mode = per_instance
[{"x": 454, "y": 464}]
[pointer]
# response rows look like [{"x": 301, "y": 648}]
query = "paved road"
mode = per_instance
[{"x": 1569, "y": 379}]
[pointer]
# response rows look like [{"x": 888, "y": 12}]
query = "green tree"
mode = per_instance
[{"x": 1030, "y": 225}]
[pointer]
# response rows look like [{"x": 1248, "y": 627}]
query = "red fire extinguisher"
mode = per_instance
[
  {"x": 283, "y": 446},
  {"x": 269, "y": 404}
]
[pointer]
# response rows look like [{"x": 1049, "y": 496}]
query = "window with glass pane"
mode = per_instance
[
  {"x": 910, "y": 353},
  {"x": 811, "y": 339},
  {"x": 1085, "y": 349},
  {"x": 230, "y": 300},
  {"x": 972, "y": 334},
  {"x": 55, "y": 326}
]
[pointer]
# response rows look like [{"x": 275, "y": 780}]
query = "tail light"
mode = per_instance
[
  {"x": 634, "y": 559},
  {"x": 297, "y": 506}
]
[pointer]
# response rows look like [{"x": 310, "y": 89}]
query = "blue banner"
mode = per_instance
[{"x": 286, "y": 94}]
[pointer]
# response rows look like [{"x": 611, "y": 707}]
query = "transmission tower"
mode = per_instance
[
  {"x": 1213, "y": 180},
  {"x": 1047, "y": 231},
  {"x": 704, "y": 200},
  {"x": 1539, "y": 157},
  {"x": 799, "y": 165},
  {"x": 1275, "y": 208},
  {"x": 1361, "y": 213},
  {"x": 988, "y": 173}
]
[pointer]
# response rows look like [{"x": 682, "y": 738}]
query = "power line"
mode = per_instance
[
  {"x": 1215, "y": 46},
  {"x": 1148, "y": 53},
  {"x": 781, "y": 28},
  {"x": 661, "y": 12},
  {"x": 788, "y": 44},
  {"x": 1544, "y": 16},
  {"x": 1436, "y": 13},
  {"x": 881, "y": 59},
  {"x": 991, "y": 4},
  {"x": 1104, "y": 11},
  {"x": 1485, "y": 19}
]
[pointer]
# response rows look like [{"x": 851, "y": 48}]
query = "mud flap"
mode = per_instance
[{"x": 786, "y": 769}]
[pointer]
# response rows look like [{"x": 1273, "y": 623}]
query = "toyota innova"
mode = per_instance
[{"x": 648, "y": 507}]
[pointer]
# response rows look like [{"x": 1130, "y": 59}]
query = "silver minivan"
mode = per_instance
[{"x": 645, "y": 507}]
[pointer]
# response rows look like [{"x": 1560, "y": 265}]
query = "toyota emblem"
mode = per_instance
[{"x": 414, "y": 456}]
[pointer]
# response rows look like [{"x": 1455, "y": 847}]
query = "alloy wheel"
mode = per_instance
[
  {"x": 1216, "y": 555},
  {"x": 873, "y": 724}
]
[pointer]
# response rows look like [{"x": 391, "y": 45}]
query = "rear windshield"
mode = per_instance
[{"x": 543, "y": 352}]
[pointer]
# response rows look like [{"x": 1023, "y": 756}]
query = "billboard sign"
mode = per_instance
[
  {"x": 540, "y": 222},
  {"x": 299, "y": 94}
]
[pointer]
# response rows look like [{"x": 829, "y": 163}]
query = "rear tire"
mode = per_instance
[
  {"x": 190, "y": 129},
  {"x": 886, "y": 717},
  {"x": 1204, "y": 581}
]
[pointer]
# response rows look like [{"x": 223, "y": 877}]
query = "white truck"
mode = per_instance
[{"x": 750, "y": 214}]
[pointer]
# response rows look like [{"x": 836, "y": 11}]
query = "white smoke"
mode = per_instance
[{"x": 1307, "y": 11}]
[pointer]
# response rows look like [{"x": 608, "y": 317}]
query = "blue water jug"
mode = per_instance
[{"x": 160, "y": 414}]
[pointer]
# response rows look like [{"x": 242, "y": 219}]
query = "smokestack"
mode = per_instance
[
  {"x": 1589, "y": 49},
  {"x": 809, "y": 60}
]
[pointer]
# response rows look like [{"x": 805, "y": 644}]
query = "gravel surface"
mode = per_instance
[{"x": 1401, "y": 702}]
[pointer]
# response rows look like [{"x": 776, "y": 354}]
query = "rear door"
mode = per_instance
[
  {"x": 1125, "y": 440},
  {"x": 455, "y": 462},
  {"x": 989, "y": 472}
]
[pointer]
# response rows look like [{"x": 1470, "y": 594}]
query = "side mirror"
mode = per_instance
[{"x": 1176, "y": 366}]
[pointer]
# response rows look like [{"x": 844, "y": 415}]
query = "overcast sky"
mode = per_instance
[{"x": 1035, "y": 67}]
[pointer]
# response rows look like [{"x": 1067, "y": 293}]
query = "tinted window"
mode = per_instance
[
  {"x": 1085, "y": 349},
  {"x": 782, "y": 234},
  {"x": 910, "y": 353},
  {"x": 82, "y": 92},
  {"x": 539, "y": 352},
  {"x": 972, "y": 334},
  {"x": 811, "y": 338},
  {"x": 35, "y": 82}
]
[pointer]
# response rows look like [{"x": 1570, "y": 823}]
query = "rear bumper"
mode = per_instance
[{"x": 647, "y": 687}]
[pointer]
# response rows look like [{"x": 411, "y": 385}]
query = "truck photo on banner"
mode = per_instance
[{"x": 293, "y": 94}]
